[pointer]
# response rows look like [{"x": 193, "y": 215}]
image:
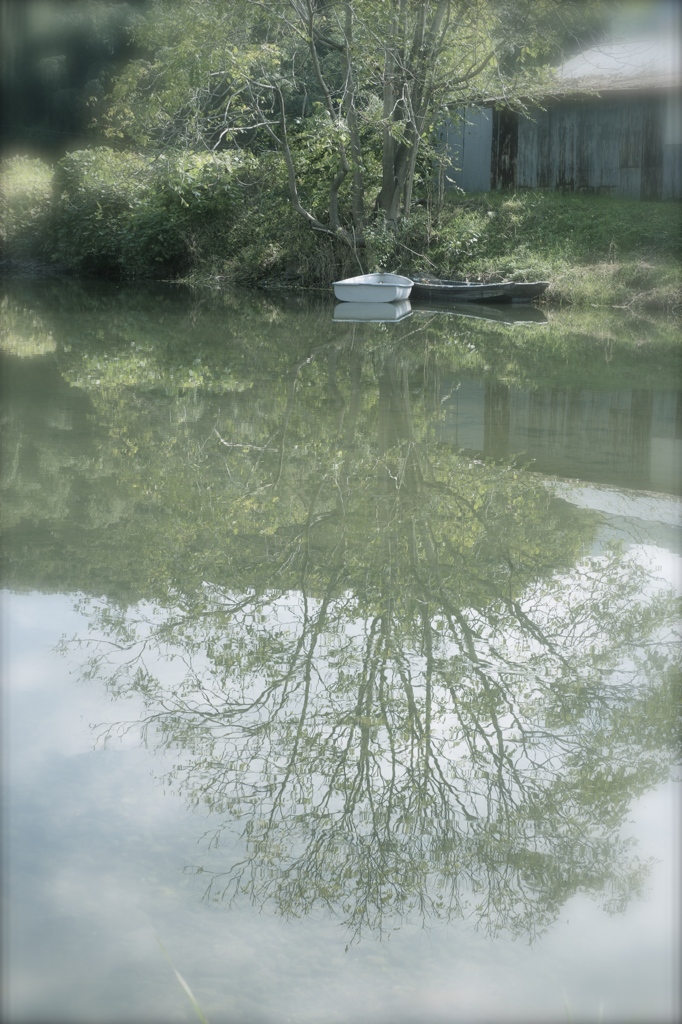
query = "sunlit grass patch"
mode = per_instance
[
  {"x": 25, "y": 195},
  {"x": 23, "y": 332}
]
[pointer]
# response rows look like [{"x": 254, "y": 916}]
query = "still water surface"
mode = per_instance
[{"x": 340, "y": 659}]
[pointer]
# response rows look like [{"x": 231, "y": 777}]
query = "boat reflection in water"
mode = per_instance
[
  {"x": 503, "y": 313},
  {"x": 391, "y": 312},
  {"x": 376, "y": 312}
]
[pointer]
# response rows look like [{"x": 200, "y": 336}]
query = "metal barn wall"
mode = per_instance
[
  {"x": 623, "y": 145},
  {"x": 672, "y": 148},
  {"x": 468, "y": 143}
]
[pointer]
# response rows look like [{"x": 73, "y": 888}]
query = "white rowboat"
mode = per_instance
[{"x": 373, "y": 288}]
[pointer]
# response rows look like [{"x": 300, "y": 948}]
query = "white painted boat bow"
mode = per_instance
[{"x": 373, "y": 288}]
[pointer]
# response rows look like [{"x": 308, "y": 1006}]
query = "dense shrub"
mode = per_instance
[
  {"x": 25, "y": 191},
  {"x": 128, "y": 215},
  {"x": 269, "y": 241}
]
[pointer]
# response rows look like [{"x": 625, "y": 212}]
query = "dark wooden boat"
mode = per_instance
[{"x": 464, "y": 291}]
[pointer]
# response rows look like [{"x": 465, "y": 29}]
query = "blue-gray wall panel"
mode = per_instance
[
  {"x": 469, "y": 145},
  {"x": 620, "y": 145},
  {"x": 672, "y": 172}
]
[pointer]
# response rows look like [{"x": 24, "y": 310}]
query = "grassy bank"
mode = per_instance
[
  {"x": 595, "y": 250},
  {"x": 186, "y": 217}
]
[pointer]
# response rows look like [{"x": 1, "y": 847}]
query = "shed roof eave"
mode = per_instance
[{"x": 592, "y": 91}]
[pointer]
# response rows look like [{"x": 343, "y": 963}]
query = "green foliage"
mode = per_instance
[
  {"x": 25, "y": 191},
  {"x": 351, "y": 92},
  {"x": 59, "y": 57},
  {"x": 268, "y": 242},
  {"x": 128, "y": 215},
  {"x": 197, "y": 56},
  {"x": 220, "y": 217}
]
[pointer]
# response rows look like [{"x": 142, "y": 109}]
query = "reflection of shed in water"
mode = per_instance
[
  {"x": 613, "y": 125},
  {"x": 632, "y": 438}
]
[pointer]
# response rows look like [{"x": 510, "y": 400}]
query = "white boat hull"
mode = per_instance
[{"x": 373, "y": 288}]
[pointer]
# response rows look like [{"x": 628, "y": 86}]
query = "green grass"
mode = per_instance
[{"x": 595, "y": 250}]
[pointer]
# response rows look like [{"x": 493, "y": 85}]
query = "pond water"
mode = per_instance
[{"x": 341, "y": 662}]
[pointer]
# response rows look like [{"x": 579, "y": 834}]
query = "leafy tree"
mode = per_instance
[
  {"x": 348, "y": 90},
  {"x": 57, "y": 57}
]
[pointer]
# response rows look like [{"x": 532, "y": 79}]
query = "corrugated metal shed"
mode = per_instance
[{"x": 613, "y": 124}]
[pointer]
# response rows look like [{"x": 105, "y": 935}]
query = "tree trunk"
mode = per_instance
[{"x": 385, "y": 202}]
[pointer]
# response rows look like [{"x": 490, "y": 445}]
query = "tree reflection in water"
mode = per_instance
[{"x": 413, "y": 693}]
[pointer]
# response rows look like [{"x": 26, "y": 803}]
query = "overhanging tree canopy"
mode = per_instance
[{"x": 348, "y": 90}]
